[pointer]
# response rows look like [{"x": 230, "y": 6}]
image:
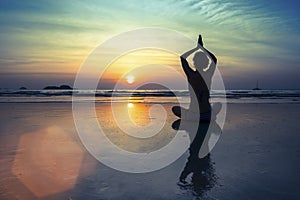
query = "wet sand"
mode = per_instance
[{"x": 41, "y": 156}]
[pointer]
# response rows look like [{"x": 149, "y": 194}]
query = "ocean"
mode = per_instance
[{"x": 146, "y": 96}]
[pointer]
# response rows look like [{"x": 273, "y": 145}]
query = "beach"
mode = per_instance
[
  {"x": 42, "y": 157},
  {"x": 149, "y": 100}
]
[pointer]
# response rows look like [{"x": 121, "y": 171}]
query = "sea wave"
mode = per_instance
[{"x": 147, "y": 96}]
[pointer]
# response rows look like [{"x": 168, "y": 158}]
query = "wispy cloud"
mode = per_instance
[{"x": 61, "y": 33}]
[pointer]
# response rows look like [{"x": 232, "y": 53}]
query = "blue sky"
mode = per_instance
[{"x": 44, "y": 42}]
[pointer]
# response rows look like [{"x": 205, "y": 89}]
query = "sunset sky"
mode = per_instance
[{"x": 44, "y": 42}]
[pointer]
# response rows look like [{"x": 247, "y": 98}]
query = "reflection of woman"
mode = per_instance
[
  {"x": 199, "y": 164},
  {"x": 202, "y": 169},
  {"x": 199, "y": 82}
]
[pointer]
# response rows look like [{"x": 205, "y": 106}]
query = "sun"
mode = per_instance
[{"x": 130, "y": 79}]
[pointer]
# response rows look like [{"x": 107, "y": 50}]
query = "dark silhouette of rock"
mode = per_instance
[
  {"x": 65, "y": 87},
  {"x": 22, "y": 88},
  {"x": 62, "y": 87},
  {"x": 51, "y": 88}
]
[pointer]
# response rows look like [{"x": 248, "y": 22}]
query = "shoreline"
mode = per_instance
[
  {"x": 257, "y": 156},
  {"x": 165, "y": 103}
]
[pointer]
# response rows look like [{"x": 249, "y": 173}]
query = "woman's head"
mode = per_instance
[{"x": 200, "y": 61}]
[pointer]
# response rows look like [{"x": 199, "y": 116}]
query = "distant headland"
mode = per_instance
[{"x": 62, "y": 87}]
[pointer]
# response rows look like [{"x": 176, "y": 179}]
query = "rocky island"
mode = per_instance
[{"x": 62, "y": 87}]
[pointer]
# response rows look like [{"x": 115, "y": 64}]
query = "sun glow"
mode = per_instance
[
  {"x": 130, "y": 105},
  {"x": 130, "y": 79}
]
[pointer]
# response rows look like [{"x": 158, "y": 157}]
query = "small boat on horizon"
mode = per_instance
[{"x": 256, "y": 88}]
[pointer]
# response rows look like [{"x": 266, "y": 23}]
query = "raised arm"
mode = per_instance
[
  {"x": 211, "y": 56},
  {"x": 186, "y": 54},
  {"x": 188, "y": 71},
  {"x": 207, "y": 52},
  {"x": 212, "y": 67},
  {"x": 185, "y": 66}
]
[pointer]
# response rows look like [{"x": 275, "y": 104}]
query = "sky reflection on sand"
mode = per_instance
[
  {"x": 48, "y": 158},
  {"x": 48, "y": 161},
  {"x": 250, "y": 160},
  {"x": 40, "y": 155}
]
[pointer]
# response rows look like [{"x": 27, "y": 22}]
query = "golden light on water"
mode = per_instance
[{"x": 130, "y": 105}]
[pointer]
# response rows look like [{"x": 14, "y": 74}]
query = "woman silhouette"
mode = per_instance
[{"x": 199, "y": 83}]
